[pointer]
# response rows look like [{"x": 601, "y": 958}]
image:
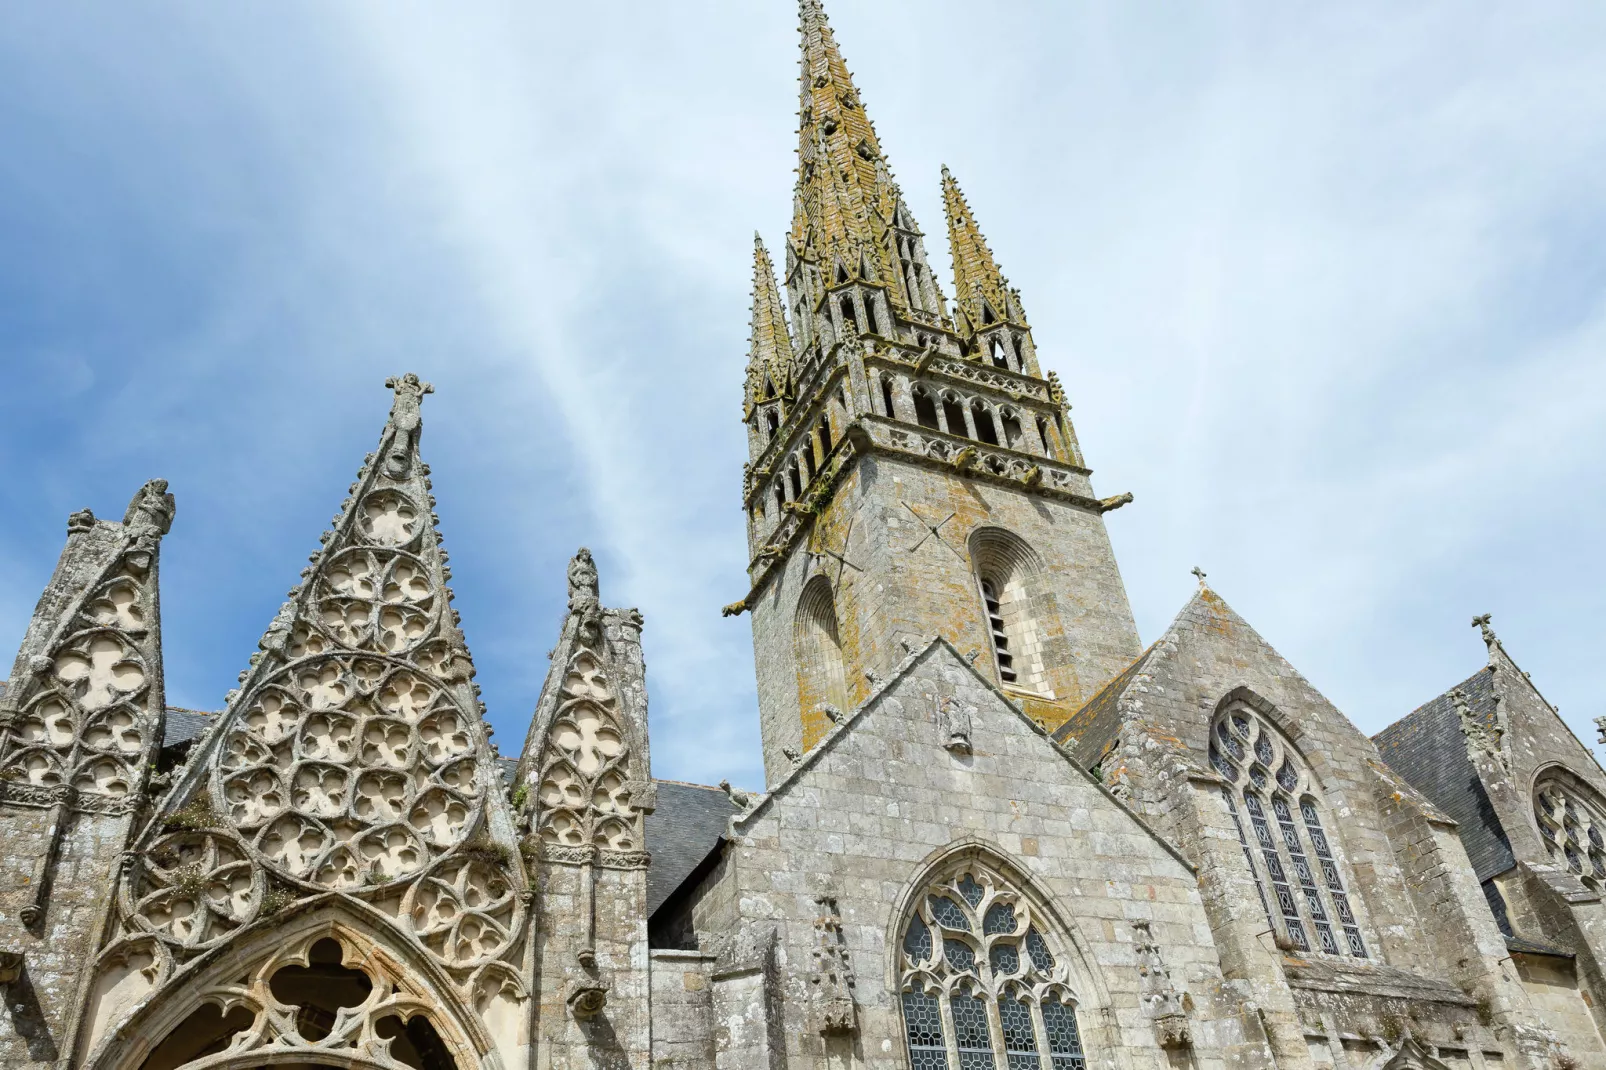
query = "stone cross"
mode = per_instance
[{"x": 1200, "y": 574}]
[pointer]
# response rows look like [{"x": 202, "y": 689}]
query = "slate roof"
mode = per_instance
[
  {"x": 1094, "y": 728},
  {"x": 1427, "y": 748},
  {"x": 687, "y": 826}
]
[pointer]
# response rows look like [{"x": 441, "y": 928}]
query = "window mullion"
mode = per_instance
[{"x": 950, "y": 1031}]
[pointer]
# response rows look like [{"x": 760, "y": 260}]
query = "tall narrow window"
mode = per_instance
[
  {"x": 869, "y": 314},
  {"x": 797, "y": 485},
  {"x": 808, "y": 460},
  {"x": 1249, "y": 856},
  {"x": 1042, "y": 434},
  {"x": 995, "y": 625},
  {"x": 954, "y": 413},
  {"x": 974, "y": 943},
  {"x": 1012, "y": 431},
  {"x": 817, "y": 648},
  {"x": 1244, "y": 749},
  {"x": 825, "y": 435},
  {"x": 845, "y": 306},
  {"x": 772, "y": 421},
  {"x": 1007, "y": 575},
  {"x": 925, "y": 408},
  {"x": 982, "y": 417},
  {"x": 1000, "y": 354},
  {"x": 886, "y": 395},
  {"x": 780, "y": 501}
]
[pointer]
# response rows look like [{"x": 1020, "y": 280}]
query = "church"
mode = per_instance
[{"x": 997, "y": 830}]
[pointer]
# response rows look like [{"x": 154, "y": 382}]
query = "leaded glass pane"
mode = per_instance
[
  {"x": 917, "y": 940},
  {"x": 1286, "y": 775},
  {"x": 972, "y": 1037},
  {"x": 1005, "y": 959},
  {"x": 960, "y": 955},
  {"x": 970, "y": 890},
  {"x": 1335, "y": 883},
  {"x": 947, "y": 912},
  {"x": 1263, "y": 749},
  {"x": 922, "y": 1020},
  {"x": 1020, "y": 1039},
  {"x": 1037, "y": 948},
  {"x": 1241, "y": 723},
  {"x": 1249, "y": 857},
  {"x": 1064, "y": 1041},
  {"x": 1274, "y": 867},
  {"x": 1000, "y": 919},
  {"x": 1307, "y": 882}
]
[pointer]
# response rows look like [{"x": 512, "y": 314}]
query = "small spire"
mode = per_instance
[
  {"x": 770, "y": 345},
  {"x": 978, "y": 284}
]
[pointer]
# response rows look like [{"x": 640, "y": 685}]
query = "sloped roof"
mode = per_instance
[
  {"x": 1428, "y": 749},
  {"x": 688, "y": 824},
  {"x": 1091, "y": 730}
]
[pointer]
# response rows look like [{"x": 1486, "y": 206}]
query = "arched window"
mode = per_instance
[
  {"x": 808, "y": 459},
  {"x": 983, "y": 981},
  {"x": 817, "y": 647},
  {"x": 1042, "y": 434},
  {"x": 886, "y": 395},
  {"x": 1006, "y": 576},
  {"x": 780, "y": 500},
  {"x": 1572, "y": 824},
  {"x": 954, "y": 413},
  {"x": 869, "y": 314},
  {"x": 825, "y": 435},
  {"x": 845, "y": 306},
  {"x": 1012, "y": 429},
  {"x": 1264, "y": 770},
  {"x": 1000, "y": 352},
  {"x": 797, "y": 485},
  {"x": 772, "y": 421},
  {"x": 982, "y": 417},
  {"x": 925, "y": 408}
]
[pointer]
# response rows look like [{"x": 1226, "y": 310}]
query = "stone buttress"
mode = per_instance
[
  {"x": 335, "y": 867},
  {"x": 80, "y": 720},
  {"x": 584, "y": 788}
]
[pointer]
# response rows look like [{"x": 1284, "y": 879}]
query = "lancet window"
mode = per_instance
[
  {"x": 983, "y": 981},
  {"x": 1572, "y": 824},
  {"x": 1312, "y": 909},
  {"x": 1007, "y": 573}
]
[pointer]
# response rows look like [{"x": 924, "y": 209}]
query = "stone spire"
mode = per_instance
[
  {"x": 769, "y": 352},
  {"x": 981, "y": 292},
  {"x": 846, "y": 198}
]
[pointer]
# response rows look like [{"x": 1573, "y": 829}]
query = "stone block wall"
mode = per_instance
[{"x": 905, "y": 584}]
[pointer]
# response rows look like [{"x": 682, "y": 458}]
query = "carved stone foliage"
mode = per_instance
[
  {"x": 831, "y": 979},
  {"x": 585, "y": 780},
  {"x": 83, "y": 713}
]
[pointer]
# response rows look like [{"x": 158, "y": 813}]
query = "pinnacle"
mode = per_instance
[{"x": 977, "y": 278}]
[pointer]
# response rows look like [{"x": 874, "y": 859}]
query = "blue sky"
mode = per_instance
[{"x": 1327, "y": 289}]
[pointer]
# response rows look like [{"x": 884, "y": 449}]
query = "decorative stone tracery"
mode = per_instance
[
  {"x": 1572, "y": 825},
  {"x": 78, "y": 720},
  {"x": 982, "y": 978}
]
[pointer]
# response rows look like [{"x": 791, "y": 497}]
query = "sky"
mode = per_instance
[{"x": 1326, "y": 287}]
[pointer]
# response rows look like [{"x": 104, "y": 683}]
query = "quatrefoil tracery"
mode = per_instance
[
  {"x": 195, "y": 888},
  {"x": 465, "y": 910},
  {"x": 584, "y": 788},
  {"x": 349, "y": 772},
  {"x": 85, "y": 724},
  {"x": 972, "y": 933}
]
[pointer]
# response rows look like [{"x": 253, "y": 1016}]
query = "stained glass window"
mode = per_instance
[
  {"x": 1571, "y": 822},
  {"x": 982, "y": 989},
  {"x": 1264, "y": 772}
]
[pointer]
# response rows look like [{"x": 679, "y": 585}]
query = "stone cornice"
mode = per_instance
[{"x": 936, "y": 450}]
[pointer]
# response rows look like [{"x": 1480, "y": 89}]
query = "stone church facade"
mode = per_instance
[{"x": 996, "y": 831}]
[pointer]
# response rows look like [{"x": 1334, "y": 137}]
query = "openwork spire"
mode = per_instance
[
  {"x": 981, "y": 291},
  {"x": 770, "y": 348},
  {"x": 846, "y": 197},
  {"x": 353, "y": 758}
]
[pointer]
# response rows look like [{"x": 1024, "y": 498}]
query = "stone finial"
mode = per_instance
[
  {"x": 82, "y": 520},
  {"x": 583, "y": 588},
  {"x": 410, "y": 391},
  {"x": 1481, "y": 622},
  {"x": 1600, "y": 725}
]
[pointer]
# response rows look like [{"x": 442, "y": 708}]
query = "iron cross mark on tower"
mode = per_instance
[
  {"x": 842, "y": 563},
  {"x": 933, "y": 531}
]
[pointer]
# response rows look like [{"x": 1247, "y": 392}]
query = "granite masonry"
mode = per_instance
[{"x": 996, "y": 830}]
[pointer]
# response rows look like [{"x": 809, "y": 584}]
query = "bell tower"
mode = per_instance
[{"x": 912, "y": 471}]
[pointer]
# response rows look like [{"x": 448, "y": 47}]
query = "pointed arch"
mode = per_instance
[
  {"x": 1570, "y": 818},
  {"x": 983, "y": 963},
  {"x": 1265, "y": 772},
  {"x": 817, "y": 647},
  {"x": 405, "y": 982},
  {"x": 1009, "y": 581}
]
